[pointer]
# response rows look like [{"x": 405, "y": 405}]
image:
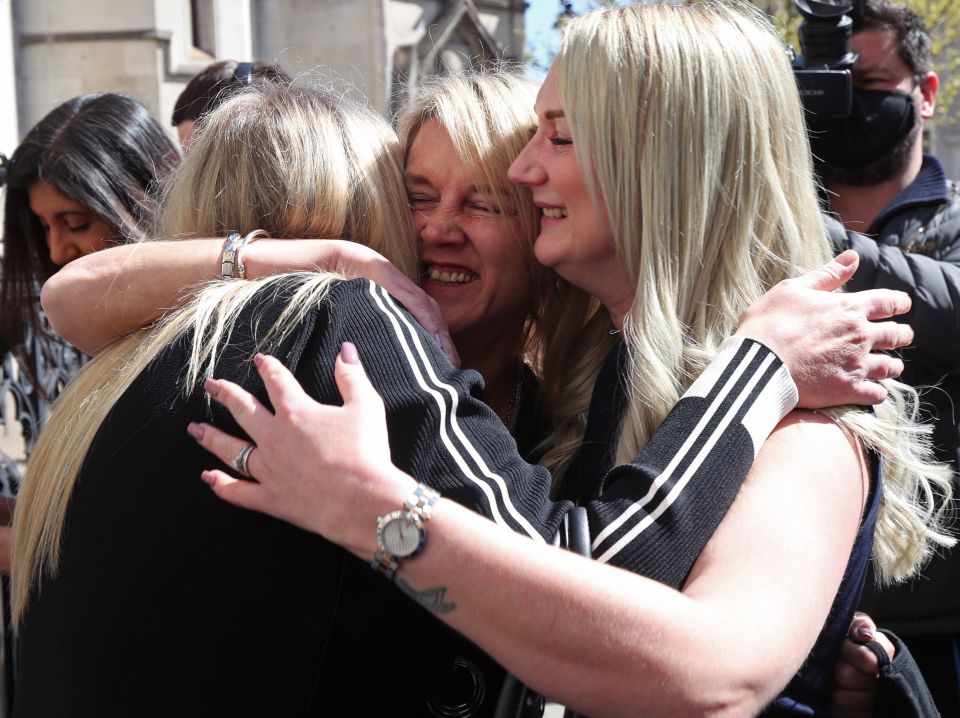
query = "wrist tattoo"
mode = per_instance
[{"x": 431, "y": 599}]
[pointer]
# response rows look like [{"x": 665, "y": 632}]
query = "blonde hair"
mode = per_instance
[
  {"x": 293, "y": 161},
  {"x": 301, "y": 160},
  {"x": 688, "y": 123}
]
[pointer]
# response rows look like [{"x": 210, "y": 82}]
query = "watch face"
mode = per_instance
[{"x": 402, "y": 535}]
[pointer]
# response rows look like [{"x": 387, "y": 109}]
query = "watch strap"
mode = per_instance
[
  {"x": 385, "y": 564},
  {"x": 229, "y": 256},
  {"x": 422, "y": 501}
]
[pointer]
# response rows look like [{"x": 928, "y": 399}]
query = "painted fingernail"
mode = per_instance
[
  {"x": 212, "y": 387},
  {"x": 207, "y": 478},
  {"x": 258, "y": 359},
  {"x": 348, "y": 353},
  {"x": 195, "y": 430},
  {"x": 847, "y": 258},
  {"x": 864, "y": 634}
]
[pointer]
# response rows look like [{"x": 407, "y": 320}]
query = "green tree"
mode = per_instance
[{"x": 942, "y": 18}]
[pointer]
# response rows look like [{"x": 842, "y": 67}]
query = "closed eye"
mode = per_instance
[
  {"x": 485, "y": 207},
  {"x": 419, "y": 200}
]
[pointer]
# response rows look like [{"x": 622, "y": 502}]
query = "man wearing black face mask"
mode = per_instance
[{"x": 880, "y": 183}]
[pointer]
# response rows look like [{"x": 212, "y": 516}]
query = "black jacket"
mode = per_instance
[
  {"x": 170, "y": 602},
  {"x": 914, "y": 245}
]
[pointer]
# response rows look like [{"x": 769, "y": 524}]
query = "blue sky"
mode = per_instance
[{"x": 540, "y": 36}]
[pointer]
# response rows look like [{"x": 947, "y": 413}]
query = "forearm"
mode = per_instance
[
  {"x": 105, "y": 295},
  {"x": 599, "y": 640},
  {"x": 607, "y": 641},
  {"x": 102, "y": 296}
]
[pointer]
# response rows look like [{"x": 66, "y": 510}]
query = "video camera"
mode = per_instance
[{"x": 823, "y": 70}]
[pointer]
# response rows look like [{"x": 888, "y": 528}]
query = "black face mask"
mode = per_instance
[{"x": 878, "y": 120}]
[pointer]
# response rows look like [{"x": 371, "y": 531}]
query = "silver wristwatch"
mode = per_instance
[{"x": 401, "y": 534}]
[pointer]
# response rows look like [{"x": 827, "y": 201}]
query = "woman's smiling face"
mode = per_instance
[
  {"x": 475, "y": 261},
  {"x": 576, "y": 239}
]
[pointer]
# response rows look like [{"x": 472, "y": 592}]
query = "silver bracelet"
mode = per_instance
[
  {"x": 255, "y": 234},
  {"x": 228, "y": 257}
]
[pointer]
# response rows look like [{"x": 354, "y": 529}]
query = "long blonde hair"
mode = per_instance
[
  {"x": 687, "y": 122},
  {"x": 303, "y": 161},
  {"x": 294, "y": 161}
]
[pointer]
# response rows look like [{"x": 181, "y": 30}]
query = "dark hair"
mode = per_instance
[
  {"x": 913, "y": 38},
  {"x": 104, "y": 150},
  {"x": 218, "y": 82}
]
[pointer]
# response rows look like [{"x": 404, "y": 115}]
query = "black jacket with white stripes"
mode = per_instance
[{"x": 170, "y": 602}]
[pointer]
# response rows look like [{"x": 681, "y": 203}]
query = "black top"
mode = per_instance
[
  {"x": 171, "y": 602},
  {"x": 914, "y": 246}
]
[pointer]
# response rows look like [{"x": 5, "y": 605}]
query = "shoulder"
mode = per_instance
[
  {"x": 792, "y": 526},
  {"x": 369, "y": 298},
  {"x": 812, "y": 448},
  {"x": 944, "y": 224},
  {"x": 802, "y": 431}
]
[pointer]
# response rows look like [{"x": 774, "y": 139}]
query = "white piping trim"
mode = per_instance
[
  {"x": 685, "y": 448},
  {"x": 695, "y": 464},
  {"x": 396, "y": 316}
]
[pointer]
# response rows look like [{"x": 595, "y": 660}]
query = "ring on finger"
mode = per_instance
[{"x": 240, "y": 460}]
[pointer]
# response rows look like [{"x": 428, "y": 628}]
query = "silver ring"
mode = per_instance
[{"x": 241, "y": 459}]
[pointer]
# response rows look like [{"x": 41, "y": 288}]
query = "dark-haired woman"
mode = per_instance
[{"x": 81, "y": 180}]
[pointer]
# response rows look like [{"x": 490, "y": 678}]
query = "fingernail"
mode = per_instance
[
  {"x": 258, "y": 359},
  {"x": 195, "y": 430},
  {"x": 439, "y": 337},
  {"x": 348, "y": 353},
  {"x": 207, "y": 478},
  {"x": 848, "y": 258},
  {"x": 864, "y": 634},
  {"x": 212, "y": 387}
]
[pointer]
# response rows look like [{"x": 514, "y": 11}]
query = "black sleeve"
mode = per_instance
[{"x": 655, "y": 514}]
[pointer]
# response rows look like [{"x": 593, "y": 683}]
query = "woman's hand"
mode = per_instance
[
  {"x": 833, "y": 343},
  {"x": 857, "y": 672},
  {"x": 324, "y": 468}
]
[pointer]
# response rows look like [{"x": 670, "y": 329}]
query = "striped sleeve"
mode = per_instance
[
  {"x": 654, "y": 514},
  {"x": 657, "y": 513},
  {"x": 440, "y": 431}
]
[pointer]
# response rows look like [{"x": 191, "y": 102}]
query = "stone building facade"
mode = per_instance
[{"x": 51, "y": 50}]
